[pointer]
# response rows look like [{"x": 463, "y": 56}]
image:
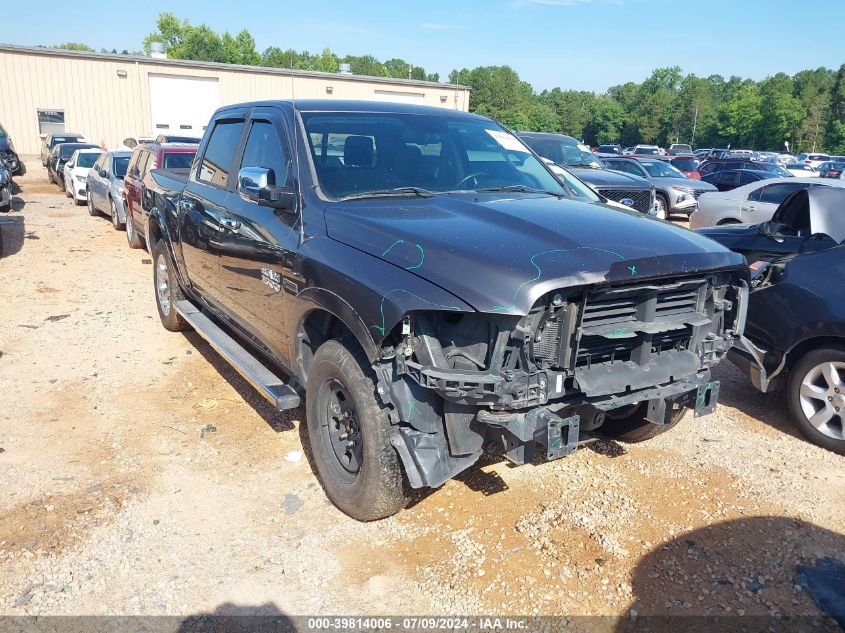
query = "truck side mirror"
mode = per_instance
[{"x": 254, "y": 186}]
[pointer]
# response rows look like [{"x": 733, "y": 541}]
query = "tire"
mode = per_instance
[
  {"x": 662, "y": 201},
  {"x": 365, "y": 482},
  {"x": 91, "y": 209},
  {"x": 115, "y": 218},
  {"x": 806, "y": 372},
  {"x": 132, "y": 236},
  {"x": 166, "y": 288},
  {"x": 630, "y": 424}
]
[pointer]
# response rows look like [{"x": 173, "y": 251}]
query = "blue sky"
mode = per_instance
[{"x": 574, "y": 44}]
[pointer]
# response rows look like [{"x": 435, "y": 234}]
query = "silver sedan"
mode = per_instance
[
  {"x": 105, "y": 187},
  {"x": 750, "y": 204}
]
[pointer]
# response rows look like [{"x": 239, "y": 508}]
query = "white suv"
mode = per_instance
[{"x": 812, "y": 159}]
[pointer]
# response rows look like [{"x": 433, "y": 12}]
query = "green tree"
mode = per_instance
[
  {"x": 327, "y": 62},
  {"x": 74, "y": 46},
  {"x": 835, "y": 131},
  {"x": 605, "y": 124},
  {"x": 739, "y": 118},
  {"x": 780, "y": 112}
]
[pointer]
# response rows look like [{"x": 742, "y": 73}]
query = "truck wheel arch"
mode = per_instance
[{"x": 327, "y": 318}]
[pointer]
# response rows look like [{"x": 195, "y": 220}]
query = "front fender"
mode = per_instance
[{"x": 369, "y": 295}]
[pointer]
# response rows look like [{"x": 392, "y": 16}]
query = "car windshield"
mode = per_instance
[
  {"x": 685, "y": 149},
  {"x": 646, "y": 151},
  {"x": 120, "y": 165},
  {"x": 87, "y": 159},
  {"x": 395, "y": 153},
  {"x": 608, "y": 149},
  {"x": 660, "y": 169},
  {"x": 799, "y": 166},
  {"x": 62, "y": 139},
  {"x": 180, "y": 160},
  {"x": 180, "y": 139},
  {"x": 563, "y": 151},
  {"x": 685, "y": 164},
  {"x": 66, "y": 151}
]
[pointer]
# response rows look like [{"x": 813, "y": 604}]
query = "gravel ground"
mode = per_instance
[{"x": 143, "y": 476}]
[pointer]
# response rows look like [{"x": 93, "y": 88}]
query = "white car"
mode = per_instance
[
  {"x": 801, "y": 170},
  {"x": 646, "y": 150},
  {"x": 76, "y": 173},
  {"x": 813, "y": 159},
  {"x": 750, "y": 204}
]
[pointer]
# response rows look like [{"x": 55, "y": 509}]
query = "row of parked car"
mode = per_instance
[{"x": 111, "y": 182}]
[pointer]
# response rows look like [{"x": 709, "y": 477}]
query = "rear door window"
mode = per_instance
[
  {"x": 220, "y": 153},
  {"x": 776, "y": 193}
]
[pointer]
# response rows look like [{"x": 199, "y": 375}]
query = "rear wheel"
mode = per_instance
[
  {"x": 349, "y": 434},
  {"x": 628, "y": 424},
  {"x": 166, "y": 289},
  {"x": 816, "y": 397},
  {"x": 132, "y": 235}
]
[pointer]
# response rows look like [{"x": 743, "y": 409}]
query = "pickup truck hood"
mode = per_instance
[{"x": 501, "y": 253}]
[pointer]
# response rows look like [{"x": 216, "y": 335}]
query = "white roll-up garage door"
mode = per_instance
[
  {"x": 394, "y": 96},
  {"x": 182, "y": 105}
]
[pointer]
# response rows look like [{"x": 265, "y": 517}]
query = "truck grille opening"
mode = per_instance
[
  {"x": 642, "y": 197},
  {"x": 624, "y": 324}
]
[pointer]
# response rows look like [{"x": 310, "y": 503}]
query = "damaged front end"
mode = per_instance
[{"x": 458, "y": 384}]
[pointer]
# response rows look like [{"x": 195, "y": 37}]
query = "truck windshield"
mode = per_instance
[{"x": 357, "y": 153}]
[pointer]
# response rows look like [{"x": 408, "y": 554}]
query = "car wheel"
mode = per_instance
[
  {"x": 115, "y": 218},
  {"x": 348, "y": 431},
  {"x": 91, "y": 208},
  {"x": 728, "y": 221},
  {"x": 167, "y": 289},
  {"x": 816, "y": 397},
  {"x": 132, "y": 235},
  {"x": 628, "y": 424},
  {"x": 662, "y": 207}
]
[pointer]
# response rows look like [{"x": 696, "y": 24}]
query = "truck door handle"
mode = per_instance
[{"x": 230, "y": 224}]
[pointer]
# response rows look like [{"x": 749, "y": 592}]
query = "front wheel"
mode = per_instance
[
  {"x": 166, "y": 289},
  {"x": 92, "y": 210},
  {"x": 115, "y": 218},
  {"x": 349, "y": 434},
  {"x": 628, "y": 424},
  {"x": 816, "y": 397},
  {"x": 662, "y": 207}
]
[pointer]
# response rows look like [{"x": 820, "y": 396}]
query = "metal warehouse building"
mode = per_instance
[{"x": 110, "y": 97}]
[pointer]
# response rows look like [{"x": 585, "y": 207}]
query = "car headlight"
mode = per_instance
[
  {"x": 686, "y": 190},
  {"x": 80, "y": 178}
]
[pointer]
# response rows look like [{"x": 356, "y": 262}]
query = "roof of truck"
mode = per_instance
[{"x": 336, "y": 105}]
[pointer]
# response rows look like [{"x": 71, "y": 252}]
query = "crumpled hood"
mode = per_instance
[{"x": 500, "y": 254}]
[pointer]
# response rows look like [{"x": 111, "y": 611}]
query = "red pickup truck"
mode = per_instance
[{"x": 172, "y": 157}]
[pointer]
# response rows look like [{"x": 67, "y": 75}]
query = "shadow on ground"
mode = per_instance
[
  {"x": 733, "y": 576},
  {"x": 233, "y": 618}
]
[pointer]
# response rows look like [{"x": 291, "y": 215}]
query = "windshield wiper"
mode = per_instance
[
  {"x": 521, "y": 189},
  {"x": 386, "y": 193}
]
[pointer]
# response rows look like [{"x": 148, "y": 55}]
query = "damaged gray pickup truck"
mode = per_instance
[{"x": 434, "y": 291}]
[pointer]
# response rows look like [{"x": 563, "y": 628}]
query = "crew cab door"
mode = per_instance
[
  {"x": 203, "y": 205},
  {"x": 255, "y": 238}
]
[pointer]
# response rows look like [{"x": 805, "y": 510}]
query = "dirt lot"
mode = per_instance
[{"x": 142, "y": 476}]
